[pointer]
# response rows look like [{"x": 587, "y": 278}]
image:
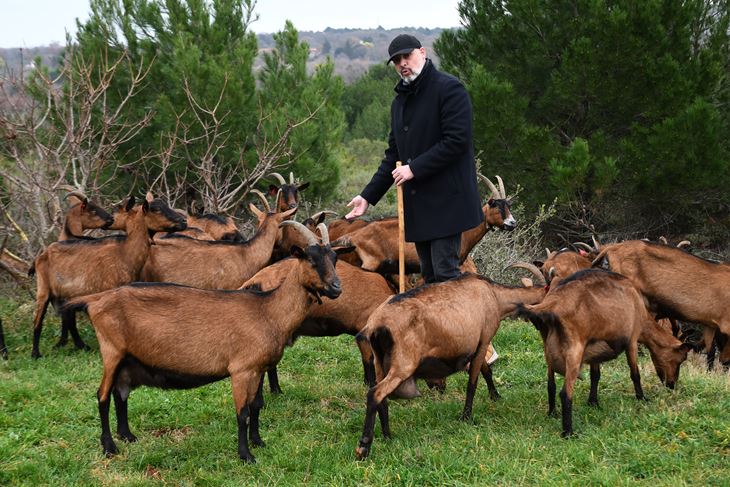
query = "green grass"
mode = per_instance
[{"x": 49, "y": 426}]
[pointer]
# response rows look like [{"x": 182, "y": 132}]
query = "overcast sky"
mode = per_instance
[{"x": 29, "y": 23}]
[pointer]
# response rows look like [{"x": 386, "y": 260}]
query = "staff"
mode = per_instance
[{"x": 401, "y": 239}]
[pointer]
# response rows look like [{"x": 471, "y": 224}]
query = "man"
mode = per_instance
[{"x": 431, "y": 133}]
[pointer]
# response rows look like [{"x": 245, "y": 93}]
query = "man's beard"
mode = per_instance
[{"x": 412, "y": 77}]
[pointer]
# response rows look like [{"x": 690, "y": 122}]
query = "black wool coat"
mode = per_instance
[{"x": 431, "y": 130}]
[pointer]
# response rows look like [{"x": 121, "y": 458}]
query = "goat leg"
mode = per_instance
[
  {"x": 487, "y": 374},
  {"x": 258, "y": 403},
  {"x": 384, "y": 418},
  {"x": 632, "y": 359},
  {"x": 243, "y": 419},
  {"x": 366, "y": 440},
  {"x": 68, "y": 322},
  {"x": 474, "y": 368},
  {"x": 3, "y": 347},
  {"x": 120, "y": 408},
  {"x": 595, "y": 377},
  {"x": 40, "y": 313},
  {"x": 273, "y": 375},
  {"x": 107, "y": 443},
  {"x": 551, "y": 390},
  {"x": 572, "y": 369}
]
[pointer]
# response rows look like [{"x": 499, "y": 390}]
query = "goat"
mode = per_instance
[
  {"x": 176, "y": 337},
  {"x": 362, "y": 292},
  {"x": 215, "y": 264},
  {"x": 376, "y": 244},
  {"x": 218, "y": 227},
  {"x": 287, "y": 194},
  {"x": 82, "y": 215},
  {"x": 676, "y": 284},
  {"x": 592, "y": 317},
  {"x": 431, "y": 332},
  {"x": 77, "y": 267}
]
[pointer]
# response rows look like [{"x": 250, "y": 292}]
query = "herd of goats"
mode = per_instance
[{"x": 178, "y": 301}]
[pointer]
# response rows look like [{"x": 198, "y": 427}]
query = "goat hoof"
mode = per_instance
[
  {"x": 110, "y": 449},
  {"x": 247, "y": 458},
  {"x": 128, "y": 436},
  {"x": 593, "y": 402},
  {"x": 258, "y": 442},
  {"x": 567, "y": 434},
  {"x": 494, "y": 396},
  {"x": 362, "y": 452},
  {"x": 276, "y": 390},
  {"x": 60, "y": 344},
  {"x": 35, "y": 354}
]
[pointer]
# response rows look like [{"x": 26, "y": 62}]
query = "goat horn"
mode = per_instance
[
  {"x": 596, "y": 244},
  {"x": 547, "y": 251},
  {"x": 291, "y": 178},
  {"x": 323, "y": 212},
  {"x": 324, "y": 232},
  {"x": 306, "y": 233},
  {"x": 530, "y": 267},
  {"x": 584, "y": 246},
  {"x": 684, "y": 243},
  {"x": 663, "y": 240},
  {"x": 77, "y": 194},
  {"x": 503, "y": 194},
  {"x": 279, "y": 177},
  {"x": 492, "y": 187},
  {"x": 263, "y": 199}
]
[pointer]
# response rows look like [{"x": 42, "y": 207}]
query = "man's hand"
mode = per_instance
[
  {"x": 360, "y": 206},
  {"x": 402, "y": 174}
]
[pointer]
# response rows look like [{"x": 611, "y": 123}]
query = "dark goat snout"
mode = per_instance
[{"x": 333, "y": 290}]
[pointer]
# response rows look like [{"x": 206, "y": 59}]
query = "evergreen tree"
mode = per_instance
[{"x": 627, "y": 98}]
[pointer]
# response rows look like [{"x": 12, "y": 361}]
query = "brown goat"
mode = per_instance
[
  {"x": 82, "y": 215},
  {"x": 591, "y": 317},
  {"x": 287, "y": 194},
  {"x": 218, "y": 227},
  {"x": 78, "y": 267},
  {"x": 431, "y": 332},
  {"x": 677, "y": 284},
  {"x": 215, "y": 264},
  {"x": 362, "y": 292},
  {"x": 177, "y": 337},
  {"x": 376, "y": 244}
]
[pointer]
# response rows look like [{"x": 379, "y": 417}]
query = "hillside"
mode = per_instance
[{"x": 353, "y": 50}]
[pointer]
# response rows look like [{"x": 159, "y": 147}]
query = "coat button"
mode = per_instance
[
  {"x": 413, "y": 191},
  {"x": 405, "y": 129},
  {"x": 408, "y": 161}
]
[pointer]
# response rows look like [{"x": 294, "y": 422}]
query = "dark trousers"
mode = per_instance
[{"x": 439, "y": 258}]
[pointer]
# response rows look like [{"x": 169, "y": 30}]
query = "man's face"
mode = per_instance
[{"x": 408, "y": 66}]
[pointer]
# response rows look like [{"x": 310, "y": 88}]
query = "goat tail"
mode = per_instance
[
  {"x": 543, "y": 320},
  {"x": 381, "y": 341},
  {"x": 81, "y": 303}
]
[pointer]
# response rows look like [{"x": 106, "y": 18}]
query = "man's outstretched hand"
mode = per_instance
[{"x": 359, "y": 207}]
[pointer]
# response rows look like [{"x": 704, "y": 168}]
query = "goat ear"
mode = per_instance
[
  {"x": 538, "y": 263},
  {"x": 302, "y": 186},
  {"x": 84, "y": 204},
  {"x": 273, "y": 189},
  {"x": 344, "y": 250},
  {"x": 321, "y": 218},
  {"x": 129, "y": 204},
  {"x": 148, "y": 197},
  {"x": 145, "y": 206},
  {"x": 298, "y": 252},
  {"x": 490, "y": 202}
]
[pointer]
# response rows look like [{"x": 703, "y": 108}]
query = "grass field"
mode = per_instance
[{"x": 49, "y": 426}]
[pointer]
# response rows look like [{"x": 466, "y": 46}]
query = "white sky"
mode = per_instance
[{"x": 30, "y": 23}]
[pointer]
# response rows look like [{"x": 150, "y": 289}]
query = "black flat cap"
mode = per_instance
[{"x": 402, "y": 44}]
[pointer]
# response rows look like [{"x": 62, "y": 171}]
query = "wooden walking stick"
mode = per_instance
[{"x": 401, "y": 239}]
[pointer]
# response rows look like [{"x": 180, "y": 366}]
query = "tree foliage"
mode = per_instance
[{"x": 610, "y": 100}]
